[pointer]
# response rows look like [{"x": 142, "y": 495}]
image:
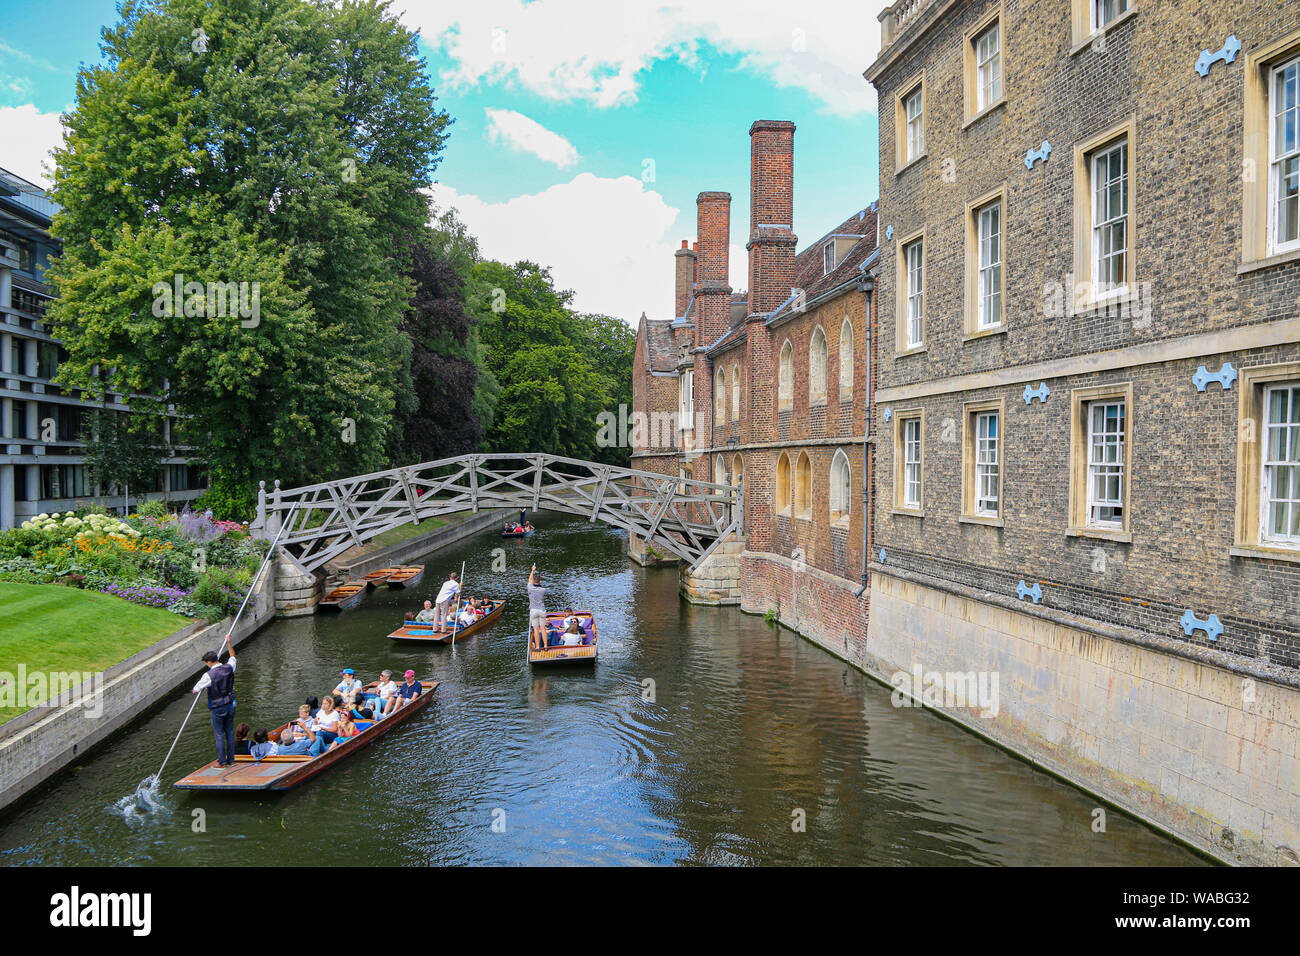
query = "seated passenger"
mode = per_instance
[
  {"x": 528, "y": 526},
  {"x": 261, "y": 746},
  {"x": 363, "y": 709},
  {"x": 385, "y": 695},
  {"x": 410, "y": 689},
  {"x": 290, "y": 747},
  {"x": 326, "y": 725},
  {"x": 347, "y": 730},
  {"x": 348, "y": 687},
  {"x": 299, "y": 726},
  {"x": 427, "y": 616},
  {"x": 573, "y": 634},
  {"x": 241, "y": 739},
  {"x": 466, "y": 616},
  {"x": 313, "y": 703}
]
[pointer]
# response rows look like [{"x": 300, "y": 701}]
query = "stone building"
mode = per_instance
[
  {"x": 769, "y": 389},
  {"x": 1087, "y": 413}
]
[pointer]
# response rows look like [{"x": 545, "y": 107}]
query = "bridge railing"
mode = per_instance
[{"x": 687, "y": 517}]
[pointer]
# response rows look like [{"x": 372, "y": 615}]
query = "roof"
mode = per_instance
[
  {"x": 809, "y": 264},
  {"x": 660, "y": 350}
]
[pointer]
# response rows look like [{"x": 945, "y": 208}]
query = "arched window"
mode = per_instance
[
  {"x": 720, "y": 470},
  {"x": 737, "y": 469},
  {"x": 783, "y": 485},
  {"x": 803, "y": 487},
  {"x": 785, "y": 378},
  {"x": 817, "y": 368},
  {"x": 840, "y": 492},
  {"x": 846, "y": 360},
  {"x": 720, "y": 398},
  {"x": 735, "y": 392}
]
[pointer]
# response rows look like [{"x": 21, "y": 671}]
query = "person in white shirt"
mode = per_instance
[
  {"x": 450, "y": 588},
  {"x": 572, "y": 635},
  {"x": 349, "y": 686},
  {"x": 385, "y": 694}
]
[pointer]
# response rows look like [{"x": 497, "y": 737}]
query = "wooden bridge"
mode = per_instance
[{"x": 685, "y": 517}]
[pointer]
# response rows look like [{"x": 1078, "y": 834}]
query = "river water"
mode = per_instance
[{"x": 702, "y": 736}]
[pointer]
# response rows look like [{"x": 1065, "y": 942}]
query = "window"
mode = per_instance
[
  {"x": 988, "y": 68},
  {"x": 984, "y": 264},
  {"x": 1104, "y": 229},
  {"x": 913, "y": 299},
  {"x": 1280, "y": 488},
  {"x": 720, "y": 470},
  {"x": 817, "y": 361},
  {"x": 1104, "y": 11},
  {"x": 686, "y": 400},
  {"x": 846, "y": 360},
  {"x": 1110, "y": 219},
  {"x": 1284, "y": 157},
  {"x": 1100, "y": 461},
  {"x": 783, "y": 485},
  {"x": 828, "y": 258},
  {"x": 737, "y": 469},
  {"x": 720, "y": 398},
  {"x": 913, "y": 123},
  {"x": 803, "y": 487},
  {"x": 981, "y": 500},
  {"x": 912, "y": 463},
  {"x": 735, "y": 392},
  {"x": 1268, "y": 463},
  {"x": 840, "y": 487},
  {"x": 785, "y": 378}
]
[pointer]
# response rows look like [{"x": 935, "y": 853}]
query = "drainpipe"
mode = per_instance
[{"x": 866, "y": 286}]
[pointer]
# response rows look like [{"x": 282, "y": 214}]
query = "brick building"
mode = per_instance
[
  {"x": 770, "y": 389},
  {"x": 1087, "y": 412}
]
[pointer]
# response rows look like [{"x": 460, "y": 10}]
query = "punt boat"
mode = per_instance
[
  {"x": 518, "y": 534},
  {"x": 421, "y": 633},
  {"x": 376, "y": 578},
  {"x": 584, "y": 653},
  {"x": 285, "y": 773},
  {"x": 407, "y": 577},
  {"x": 344, "y": 598}
]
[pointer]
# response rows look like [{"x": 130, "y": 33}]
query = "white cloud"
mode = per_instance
[
  {"x": 589, "y": 50},
  {"x": 26, "y": 137},
  {"x": 525, "y": 135},
  {"x": 610, "y": 240}
]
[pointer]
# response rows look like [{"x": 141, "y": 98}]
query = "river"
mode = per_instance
[{"x": 702, "y": 736}]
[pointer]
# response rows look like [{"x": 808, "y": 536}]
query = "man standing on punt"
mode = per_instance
[
  {"x": 536, "y": 607},
  {"x": 220, "y": 683}
]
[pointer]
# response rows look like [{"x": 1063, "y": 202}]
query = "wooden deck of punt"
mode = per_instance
[
  {"x": 376, "y": 578},
  {"x": 429, "y": 634},
  {"x": 407, "y": 577},
  {"x": 344, "y": 598},
  {"x": 285, "y": 773},
  {"x": 574, "y": 654}
]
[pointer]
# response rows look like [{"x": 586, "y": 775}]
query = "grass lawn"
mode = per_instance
[{"x": 49, "y": 627}]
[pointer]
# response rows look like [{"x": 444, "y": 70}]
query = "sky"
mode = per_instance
[{"x": 584, "y": 129}]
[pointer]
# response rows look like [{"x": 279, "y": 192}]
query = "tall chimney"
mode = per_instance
[
  {"x": 712, "y": 292},
  {"x": 685, "y": 278},
  {"x": 771, "y": 215}
]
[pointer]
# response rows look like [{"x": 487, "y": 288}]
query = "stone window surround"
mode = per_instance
[
  {"x": 1247, "y": 537},
  {"x": 816, "y": 397},
  {"x": 1083, "y": 200},
  {"x": 971, "y": 304},
  {"x": 1080, "y": 400},
  {"x": 996, "y": 15},
  {"x": 901, "y": 296},
  {"x": 899, "y": 507},
  {"x": 840, "y": 519},
  {"x": 905, "y": 90},
  {"x": 968, "y": 439},
  {"x": 1256, "y": 245}
]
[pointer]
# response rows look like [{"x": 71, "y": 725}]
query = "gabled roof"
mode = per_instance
[
  {"x": 660, "y": 350},
  {"x": 809, "y": 264}
]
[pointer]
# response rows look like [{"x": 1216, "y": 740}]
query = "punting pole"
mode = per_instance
[
  {"x": 455, "y": 615},
  {"x": 251, "y": 588}
]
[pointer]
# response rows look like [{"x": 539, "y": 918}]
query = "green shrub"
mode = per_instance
[{"x": 151, "y": 509}]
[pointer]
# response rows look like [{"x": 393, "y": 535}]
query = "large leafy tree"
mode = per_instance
[{"x": 277, "y": 142}]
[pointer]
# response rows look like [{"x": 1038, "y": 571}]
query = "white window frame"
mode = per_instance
[
  {"x": 912, "y": 463},
  {"x": 914, "y": 124},
  {"x": 828, "y": 258},
  {"x": 914, "y": 270},
  {"x": 1103, "y": 226},
  {"x": 1280, "y": 160},
  {"x": 988, "y": 67},
  {"x": 988, "y": 488},
  {"x": 988, "y": 231},
  {"x": 1290, "y": 458},
  {"x": 686, "y": 400},
  {"x": 1096, "y": 13},
  {"x": 1101, "y": 467},
  {"x": 840, "y": 487}
]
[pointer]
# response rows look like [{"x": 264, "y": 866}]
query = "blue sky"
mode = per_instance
[{"x": 584, "y": 129}]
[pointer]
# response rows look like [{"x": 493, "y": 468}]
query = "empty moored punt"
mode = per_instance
[
  {"x": 429, "y": 634},
  {"x": 584, "y": 653},
  {"x": 344, "y": 598},
  {"x": 407, "y": 577},
  {"x": 285, "y": 773},
  {"x": 376, "y": 578}
]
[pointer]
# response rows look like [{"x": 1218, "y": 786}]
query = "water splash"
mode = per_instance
[{"x": 145, "y": 802}]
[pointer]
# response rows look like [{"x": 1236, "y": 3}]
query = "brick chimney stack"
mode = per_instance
[
  {"x": 712, "y": 291},
  {"x": 685, "y": 278},
  {"x": 771, "y": 214}
]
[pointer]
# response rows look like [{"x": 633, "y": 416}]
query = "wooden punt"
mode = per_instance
[
  {"x": 376, "y": 578},
  {"x": 518, "y": 534},
  {"x": 407, "y": 577},
  {"x": 344, "y": 598},
  {"x": 578, "y": 654},
  {"x": 285, "y": 773},
  {"x": 429, "y": 634}
]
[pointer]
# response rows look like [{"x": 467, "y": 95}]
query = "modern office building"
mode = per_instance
[{"x": 42, "y": 468}]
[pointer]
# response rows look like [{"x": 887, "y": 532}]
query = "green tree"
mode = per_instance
[
  {"x": 283, "y": 144},
  {"x": 123, "y": 450}
]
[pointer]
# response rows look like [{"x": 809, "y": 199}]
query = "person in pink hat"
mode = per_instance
[{"x": 409, "y": 690}]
